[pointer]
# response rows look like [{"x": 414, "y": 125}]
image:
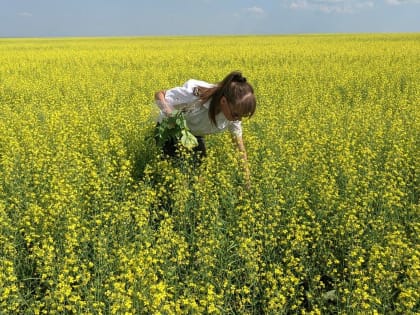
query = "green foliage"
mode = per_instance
[{"x": 174, "y": 127}]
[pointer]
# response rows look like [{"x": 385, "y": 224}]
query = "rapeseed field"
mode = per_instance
[{"x": 93, "y": 221}]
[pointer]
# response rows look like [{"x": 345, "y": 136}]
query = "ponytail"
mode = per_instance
[
  {"x": 237, "y": 91},
  {"x": 237, "y": 77}
]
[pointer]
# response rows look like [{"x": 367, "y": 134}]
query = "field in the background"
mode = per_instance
[{"x": 92, "y": 221}]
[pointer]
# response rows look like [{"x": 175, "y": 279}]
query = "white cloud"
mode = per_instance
[
  {"x": 332, "y": 6},
  {"x": 299, "y": 4},
  {"x": 255, "y": 10},
  {"x": 25, "y": 14},
  {"x": 251, "y": 12},
  {"x": 399, "y": 2}
]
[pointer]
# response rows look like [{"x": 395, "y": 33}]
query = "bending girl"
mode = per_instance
[{"x": 211, "y": 108}]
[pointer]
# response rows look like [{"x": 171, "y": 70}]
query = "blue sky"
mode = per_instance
[{"x": 57, "y": 18}]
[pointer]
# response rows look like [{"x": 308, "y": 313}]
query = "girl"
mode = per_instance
[{"x": 211, "y": 108}]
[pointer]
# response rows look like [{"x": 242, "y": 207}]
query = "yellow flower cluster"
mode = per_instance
[{"x": 94, "y": 221}]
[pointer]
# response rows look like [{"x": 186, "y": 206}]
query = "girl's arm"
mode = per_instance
[
  {"x": 160, "y": 100},
  {"x": 242, "y": 151}
]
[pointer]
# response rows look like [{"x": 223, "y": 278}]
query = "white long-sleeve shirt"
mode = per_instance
[{"x": 197, "y": 114}]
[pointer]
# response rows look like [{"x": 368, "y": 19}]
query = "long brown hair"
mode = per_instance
[{"x": 238, "y": 92}]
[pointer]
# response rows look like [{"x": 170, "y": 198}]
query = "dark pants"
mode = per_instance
[{"x": 170, "y": 148}]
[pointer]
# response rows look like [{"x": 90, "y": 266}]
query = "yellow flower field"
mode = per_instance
[{"x": 93, "y": 221}]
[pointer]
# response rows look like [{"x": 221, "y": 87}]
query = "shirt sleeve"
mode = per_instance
[
  {"x": 181, "y": 94},
  {"x": 235, "y": 128}
]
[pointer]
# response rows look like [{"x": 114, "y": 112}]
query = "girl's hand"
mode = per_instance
[
  {"x": 241, "y": 147},
  {"x": 247, "y": 179}
]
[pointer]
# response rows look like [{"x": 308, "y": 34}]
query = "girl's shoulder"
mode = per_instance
[
  {"x": 186, "y": 93},
  {"x": 192, "y": 83}
]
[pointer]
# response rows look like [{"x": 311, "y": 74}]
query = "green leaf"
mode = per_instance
[
  {"x": 188, "y": 140},
  {"x": 175, "y": 127}
]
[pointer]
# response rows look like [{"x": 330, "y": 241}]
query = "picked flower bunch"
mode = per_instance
[{"x": 174, "y": 127}]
